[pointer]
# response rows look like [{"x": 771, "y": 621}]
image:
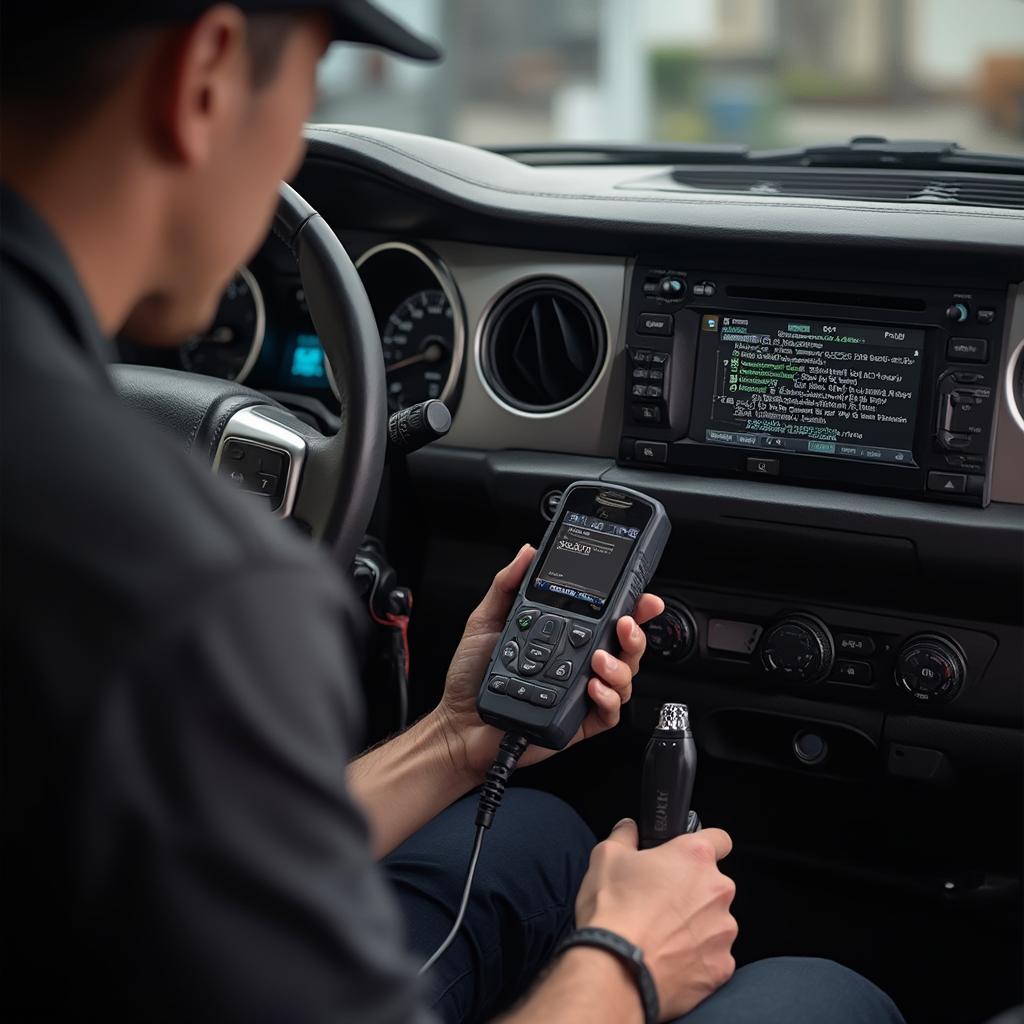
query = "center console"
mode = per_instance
[{"x": 873, "y": 387}]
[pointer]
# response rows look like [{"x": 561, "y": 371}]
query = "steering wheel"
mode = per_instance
[{"x": 327, "y": 484}]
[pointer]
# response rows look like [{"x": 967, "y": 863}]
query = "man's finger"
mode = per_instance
[
  {"x": 607, "y": 702},
  {"x": 612, "y": 671},
  {"x": 719, "y": 840},
  {"x": 626, "y": 834},
  {"x": 492, "y": 611},
  {"x": 650, "y": 606},
  {"x": 632, "y": 642}
]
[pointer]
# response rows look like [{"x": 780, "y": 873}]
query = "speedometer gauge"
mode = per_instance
[
  {"x": 418, "y": 340},
  {"x": 230, "y": 346}
]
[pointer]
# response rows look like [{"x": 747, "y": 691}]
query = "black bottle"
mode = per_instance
[{"x": 670, "y": 766}]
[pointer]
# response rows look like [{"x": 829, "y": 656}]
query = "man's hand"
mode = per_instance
[
  {"x": 472, "y": 744},
  {"x": 672, "y": 902}
]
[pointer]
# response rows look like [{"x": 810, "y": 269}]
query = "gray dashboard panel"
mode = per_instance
[{"x": 591, "y": 426}]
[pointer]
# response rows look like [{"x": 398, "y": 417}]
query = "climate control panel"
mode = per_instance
[{"x": 828, "y": 653}]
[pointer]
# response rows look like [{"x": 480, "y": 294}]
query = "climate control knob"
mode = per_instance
[
  {"x": 931, "y": 668},
  {"x": 672, "y": 634},
  {"x": 799, "y": 649}
]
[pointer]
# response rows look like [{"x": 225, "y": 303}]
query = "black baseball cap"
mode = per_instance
[{"x": 355, "y": 21}]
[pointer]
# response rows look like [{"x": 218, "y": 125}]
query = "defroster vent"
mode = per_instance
[{"x": 543, "y": 346}]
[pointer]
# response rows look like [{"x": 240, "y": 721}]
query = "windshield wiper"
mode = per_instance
[{"x": 862, "y": 151}]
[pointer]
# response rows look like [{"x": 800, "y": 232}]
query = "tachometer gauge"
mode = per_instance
[
  {"x": 230, "y": 346},
  {"x": 418, "y": 339}
]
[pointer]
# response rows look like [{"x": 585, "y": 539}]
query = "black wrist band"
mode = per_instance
[{"x": 631, "y": 955}]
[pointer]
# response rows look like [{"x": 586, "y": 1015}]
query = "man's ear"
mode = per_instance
[{"x": 206, "y": 79}]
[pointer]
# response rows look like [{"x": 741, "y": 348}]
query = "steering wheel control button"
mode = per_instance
[
  {"x": 529, "y": 667},
  {"x": 544, "y": 696},
  {"x": 798, "y": 649},
  {"x": 733, "y": 637},
  {"x": 526, "y": 618},
  {"x": 510, "y": 653},
  {"x": 547, "y": 630},
  {"x": 498, "y": 684},
  {"x": 267, "y": 483},
  {"x": 809, "y": 747},
  {"x": 763, "y": 467},
  {"x": 651, "y": 451},
  {"x": 856, "y": 672},
  {"x": 562, "y": 671},
  {"x": 580, "y": 635},
  {"x": 947, "y": 483},
  {"x": 931, "y": 668},
  {"x": 855, "y": 644},
  {"x": 538, "y": 652},
  {"x": 655, "y": 323},
  {"x": 234, "y": 451},
  {"x": 967, "y": 350}
]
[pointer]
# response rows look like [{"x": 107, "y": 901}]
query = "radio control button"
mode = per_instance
[
  {"x": 538, "y": 652},
  {"x": 856, "y": 672},
  {"x": 498, "y": 684},
  {"x": 640, "y": 355},
  {"x": 947, "y": 483},
  {"x": 958, "y": 312},
  {"x": 547, "y": 630},
  {"x": 544, "y": 696},
  {"x": 651, "y": 451},
  {"x": 986, "y": 316},
  {"x": 580, "y": 635},
  {"x": 854, "y": 643},
  {"x": 659, "y": 358},
  {"x": 655, "y": 323},
  {"x": 763, "y": 467},
  {"x": 967, "y": 350},
  {"x": 639, "y": 391},
  {"x": 562, "y": 671},
  {"x": 654, "y": 391},
  {"x": 644, "y": 413},
  {"x": 510, "y": 653},
  {"x": 639, "y": 373},
  {"x": 526, "y": 618}
]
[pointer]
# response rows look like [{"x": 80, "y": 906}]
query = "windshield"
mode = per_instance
[{"x": 760, "y": 72}]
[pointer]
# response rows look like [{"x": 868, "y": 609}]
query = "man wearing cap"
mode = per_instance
[{"x": 181, "y": 838}]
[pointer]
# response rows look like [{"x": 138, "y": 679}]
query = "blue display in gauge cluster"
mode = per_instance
[{"x": 304, "y": 361}]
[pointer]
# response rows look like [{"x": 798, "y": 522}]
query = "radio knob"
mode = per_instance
[
  {"x": 798, "y": 648},
  {"x": 931, "y": 668},
  {"x": 672, "y": 634},
  {"x": 958, "y": 312},
  {"x": 672, "y": 287}
]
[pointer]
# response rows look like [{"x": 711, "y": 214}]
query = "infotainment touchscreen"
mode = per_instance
[{"x": 817, "y": 387}]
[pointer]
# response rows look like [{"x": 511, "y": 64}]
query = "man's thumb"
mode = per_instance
[{"x": 625, "y": 833}]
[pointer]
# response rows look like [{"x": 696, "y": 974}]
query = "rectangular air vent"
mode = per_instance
[{"x": 1004, "y": 191}]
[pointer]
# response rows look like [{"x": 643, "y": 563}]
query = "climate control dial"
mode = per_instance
[
  {"x": 799, "y": 649},
  {"x": 931, "y": 668},
  {"x": 672, "y": 634}
]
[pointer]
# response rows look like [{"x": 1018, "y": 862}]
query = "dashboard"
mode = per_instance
[{"x": 825, "y": 394}]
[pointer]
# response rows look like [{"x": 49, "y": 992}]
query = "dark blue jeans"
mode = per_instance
[{"x": 522, "y": 903}]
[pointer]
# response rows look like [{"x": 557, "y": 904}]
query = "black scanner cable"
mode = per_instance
[{"x": 509, "y": 751}]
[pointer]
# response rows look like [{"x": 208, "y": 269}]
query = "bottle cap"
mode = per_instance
[{"x": 674, "y": 718}]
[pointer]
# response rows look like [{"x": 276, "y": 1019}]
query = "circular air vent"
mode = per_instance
[{"x": 543, "y": 345}]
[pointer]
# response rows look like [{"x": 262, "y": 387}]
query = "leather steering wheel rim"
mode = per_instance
[
  {"x": 333, "y": 487},
  {"x": 338, "y": 505}
]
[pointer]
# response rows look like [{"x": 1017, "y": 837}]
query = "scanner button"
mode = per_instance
[
  {"x": 544, "y": 696},
  {"x": 538, "y": 652},
  {"x": 579, "y": 635},
  {"x": 562, "y": 671},
  {"x": 546, "y": 630},
  {"x": 528, "y": 667},
  {"x": 525, "y": 619},
  {"x": 498, "y": 684},
  {"x": 509, "y": 653},
  {"x": 520, "y": 690}
]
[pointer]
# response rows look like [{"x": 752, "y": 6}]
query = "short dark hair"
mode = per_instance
[{"x": 62, "y": 76}]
